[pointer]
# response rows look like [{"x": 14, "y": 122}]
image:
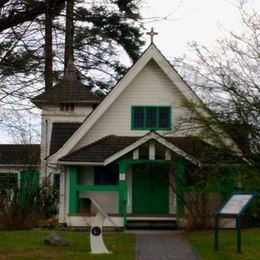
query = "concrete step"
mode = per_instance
[{"x": 151, "y": 224}]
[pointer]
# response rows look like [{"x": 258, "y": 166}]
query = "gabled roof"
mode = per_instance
[
  {"x": 101, "y": 149},
  {"x": 112, "y": 147},
  {"x": 20, "y": 154},
  {"x": 68, "y": 89},
  {"x": 151, "y": 52},
  {"x": 61, "y": 132}
]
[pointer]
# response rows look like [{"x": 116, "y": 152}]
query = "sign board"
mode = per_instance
[{"x": 236, "y": 204}]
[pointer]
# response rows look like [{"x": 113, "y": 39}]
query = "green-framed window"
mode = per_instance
[{"x": 151, "y": 117}]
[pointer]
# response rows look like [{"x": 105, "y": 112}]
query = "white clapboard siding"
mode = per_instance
[
  {"x": 151, "y": 87},
  {"x": 107, "y": 200}
]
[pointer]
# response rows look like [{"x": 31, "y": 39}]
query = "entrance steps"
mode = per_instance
[{"x": 152, "y": 222}]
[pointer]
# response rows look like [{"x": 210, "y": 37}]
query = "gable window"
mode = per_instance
[
  {"x": 151, "y": 117},
  {"x": 67, "y": 107}
]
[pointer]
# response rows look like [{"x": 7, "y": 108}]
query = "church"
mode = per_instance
[{"x": 127, "y": 151}]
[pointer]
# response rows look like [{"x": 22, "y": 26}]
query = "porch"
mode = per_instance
[{"x": 127, "y": 200}]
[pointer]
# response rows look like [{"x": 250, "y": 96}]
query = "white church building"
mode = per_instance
[{"x": 120, "y": 151}]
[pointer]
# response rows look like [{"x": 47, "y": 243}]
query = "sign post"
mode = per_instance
[{"x": 234, "y": 207}]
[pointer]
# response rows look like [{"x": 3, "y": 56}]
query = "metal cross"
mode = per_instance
[{"x": 152, "y": 33}]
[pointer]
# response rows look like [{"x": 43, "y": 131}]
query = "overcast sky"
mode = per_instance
[{"x": 191, "y": 20}]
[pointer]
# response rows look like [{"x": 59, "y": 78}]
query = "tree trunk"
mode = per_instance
[
  {"x": 48, "y": 46},
  {"x": 69, "y": 32}
]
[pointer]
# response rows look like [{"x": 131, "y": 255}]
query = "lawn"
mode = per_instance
[
  {"x": 203, "y": 243},
  {"x": 30, "y": 245}
]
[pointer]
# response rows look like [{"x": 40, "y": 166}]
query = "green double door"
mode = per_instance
[{"x": 150, "y": 189}]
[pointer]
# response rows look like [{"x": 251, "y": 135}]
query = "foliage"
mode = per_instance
[
  {"x": 203, "y": 243},
  {"x": 22, "y": 207},
  {"x": 49, "y": 223},
  {"x": 29, "y": 244},
  {"x": 226, "y": 77},
  {"x": 48, "y": 201},
  {"x": 205, "y": 187},
  {"x": 107, "y": 36}
]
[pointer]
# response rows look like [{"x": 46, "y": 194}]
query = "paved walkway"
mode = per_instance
[{"x": 163, "y": 247}]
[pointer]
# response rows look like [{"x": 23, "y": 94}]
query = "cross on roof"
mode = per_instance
[{"x": 152, "y": 33}]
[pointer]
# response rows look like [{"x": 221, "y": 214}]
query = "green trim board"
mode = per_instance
[
  {"x": 97, "y": 188},
  {"x": 73, "y": 193},
  {"x": 75, "y": 188},
  {"x": 145, "y": 111}
]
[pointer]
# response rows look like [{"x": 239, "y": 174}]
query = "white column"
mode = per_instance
[
  {"x": 136, "y": 154},
  {"x": 62, "y": 203},
  {"x": 151, "y": 150}
]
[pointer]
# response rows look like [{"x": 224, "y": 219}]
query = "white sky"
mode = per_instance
[{"x": 191, "y": 20}]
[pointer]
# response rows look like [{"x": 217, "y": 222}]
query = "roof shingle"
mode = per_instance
[
  {"x": 109, "y": 145},
  {"x": 68, "y": 89},
  {"x": 61, "y": 132},
  {"x": 22, "y": 154}
]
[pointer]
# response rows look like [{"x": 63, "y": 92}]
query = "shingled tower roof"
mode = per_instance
[{"x": 68, "y": 89}]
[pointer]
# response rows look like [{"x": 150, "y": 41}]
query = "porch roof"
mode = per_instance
[{"x": 190, "y": 147}]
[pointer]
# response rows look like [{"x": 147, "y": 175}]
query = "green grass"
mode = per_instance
[
  {"x": 203, "y": 242},
  {"x": 30, "y": 245}
]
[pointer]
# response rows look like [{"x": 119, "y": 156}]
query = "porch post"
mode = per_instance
[
  {"x": 180, "y": 188},
  {"x": 73, "y": 194},
  {"x": 122, "y": 191}
]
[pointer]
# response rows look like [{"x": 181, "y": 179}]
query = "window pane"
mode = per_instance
[
  {"x": 164, "y": 115},
  {"x": 106, "y": 175},
  {"x": 138, "y": 117},
  {"x": 151, "y": 117}
]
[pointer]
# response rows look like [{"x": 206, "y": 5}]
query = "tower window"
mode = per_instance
[{"x": 67, "y": 107}]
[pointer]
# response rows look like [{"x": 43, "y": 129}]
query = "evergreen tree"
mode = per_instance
[{"x": 107, "y": 35}]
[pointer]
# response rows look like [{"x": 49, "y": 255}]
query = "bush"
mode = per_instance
[{"x": 21, "y": 208}]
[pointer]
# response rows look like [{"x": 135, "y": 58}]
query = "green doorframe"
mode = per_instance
[
  {"x": 180, "y": 167},
  {"x": 122, "y": 190}
]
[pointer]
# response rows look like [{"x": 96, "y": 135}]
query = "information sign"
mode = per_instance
[{"x": 235, "y": 205}]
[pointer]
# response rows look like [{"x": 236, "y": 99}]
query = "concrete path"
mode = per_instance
[{"x": 163, "y": 247}]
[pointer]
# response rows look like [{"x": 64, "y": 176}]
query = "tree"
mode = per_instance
[
  {"x": 104, "y": 31},
  {"x": 226, "y": 77},
  {"x": 15, "y": 13}
]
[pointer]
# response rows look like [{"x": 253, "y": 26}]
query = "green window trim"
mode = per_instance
[{"x": 157, "y": 127}]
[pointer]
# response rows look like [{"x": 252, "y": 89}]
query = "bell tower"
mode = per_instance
[{"x": 64, "y": 107}]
